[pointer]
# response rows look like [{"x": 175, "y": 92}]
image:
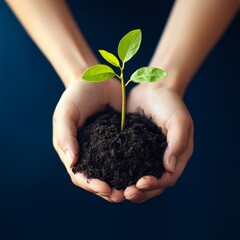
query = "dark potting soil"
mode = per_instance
[{"x": 120, "y": 158}]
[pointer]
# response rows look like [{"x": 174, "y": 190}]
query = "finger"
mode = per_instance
[
  {"x": 65, "y": 135},
  {"x": 147, "y": 183},
  {"x": 135, "y": 195},
  {"x": 168, "y": 179},
  {"x": 149, "y": 195},
  {"x": 178, "y": 130},
  {"x": 151, "y": 183},
  {"x": 92, "y": 185},
  {"x": 116, "y": 195},
  {"x": 184, "y": 158}
]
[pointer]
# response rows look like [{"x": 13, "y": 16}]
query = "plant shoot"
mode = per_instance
[{"x": 127, "y": 48}]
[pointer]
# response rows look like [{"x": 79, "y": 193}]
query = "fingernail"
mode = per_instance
[
  {"x": 144, "y": 187},
  {"x": 105, "y": 194},
  {"x": 132, "y": 197},
  {"x": 69, "y": 157},
  {"x": 172, "y": 163}
]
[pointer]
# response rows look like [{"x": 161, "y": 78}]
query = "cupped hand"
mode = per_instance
[
  {"x": 79, "y": 101},
  {"x": 166, "y": 107}
]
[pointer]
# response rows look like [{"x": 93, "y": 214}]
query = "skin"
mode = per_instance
[
  {"x": 79, "y": 101},
  {"x": 192, "y": 30},
  {"x": 170, "y": 113}
]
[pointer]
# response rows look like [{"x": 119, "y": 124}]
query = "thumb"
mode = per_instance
[
  {"x": 65, "y": 138},
  {"x": 178, "y": 129}
]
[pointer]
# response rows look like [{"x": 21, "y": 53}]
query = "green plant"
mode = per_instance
[{"x": 127, "y": 48}]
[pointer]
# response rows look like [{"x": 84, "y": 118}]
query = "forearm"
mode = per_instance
[
  {"x": 192, "y": 30},
  {"x": 52, "y": 27}
]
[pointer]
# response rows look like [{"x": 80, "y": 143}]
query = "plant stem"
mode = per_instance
[
  {"x": 123, "y": 100},
  {"x": 128, "y": 82}
]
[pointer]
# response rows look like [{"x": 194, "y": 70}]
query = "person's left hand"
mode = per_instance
[{"x": 166, "y": 107}]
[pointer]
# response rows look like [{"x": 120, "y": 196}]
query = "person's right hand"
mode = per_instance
[{"x": 79, "y": 101}]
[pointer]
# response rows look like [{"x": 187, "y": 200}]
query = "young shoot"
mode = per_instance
[{"x": 127, "y": 48}]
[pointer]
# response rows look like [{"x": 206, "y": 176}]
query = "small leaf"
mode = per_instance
[
  {"x": 98, "y": 73},
  {"x": 148, "y": 74},
  {"x": 129, "y": 45},
  {"x": 109, "y": 57}
]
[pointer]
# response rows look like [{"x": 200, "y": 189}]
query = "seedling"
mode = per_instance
[{"x": 127, "y": 48}]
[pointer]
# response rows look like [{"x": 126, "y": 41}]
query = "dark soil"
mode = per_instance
[{"x": 120, "y": 158}]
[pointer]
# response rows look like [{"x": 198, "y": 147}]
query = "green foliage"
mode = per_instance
[
  {"x": 147, "y": 74},
  {"x": 129, "y": 45},
  {"x": 98, "y": 73},
  {"x": 109, "y": 57},
  {"x": 127, "y": 48}
]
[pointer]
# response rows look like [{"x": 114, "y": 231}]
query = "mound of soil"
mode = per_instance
[{"x": 120, "y": 158}]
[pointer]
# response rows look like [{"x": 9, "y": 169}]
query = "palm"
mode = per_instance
[
  {"x": 87, "y": 98},
  {"x": 160, "y": 103}
]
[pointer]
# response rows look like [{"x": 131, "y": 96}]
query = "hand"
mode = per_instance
[
  {"x": 79, "y": 101},
  {"x": 169, "y": 112}
]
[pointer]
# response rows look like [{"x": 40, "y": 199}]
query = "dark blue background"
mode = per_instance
[{"x": 37, "y": 198}]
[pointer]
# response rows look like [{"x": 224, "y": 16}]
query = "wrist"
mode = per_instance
[{"x": 71, "y": 75}]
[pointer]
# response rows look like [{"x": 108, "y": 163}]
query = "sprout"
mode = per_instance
[{"x": 127, "y": 48}]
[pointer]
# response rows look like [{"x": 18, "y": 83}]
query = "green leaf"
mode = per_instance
[
  {"x": 129, "y": 45},
  {"x": 148, "y": 74},
  {"x": 109, "y": 57},
  {"x": 98, "y": 73}
]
